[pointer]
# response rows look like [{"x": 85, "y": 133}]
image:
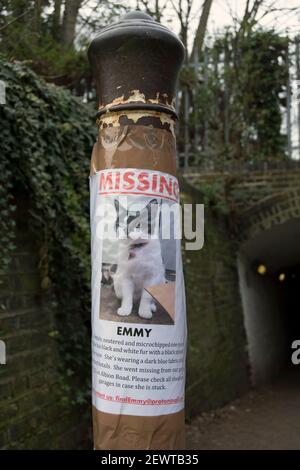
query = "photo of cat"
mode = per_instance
[{"x": 139, "y": 265}]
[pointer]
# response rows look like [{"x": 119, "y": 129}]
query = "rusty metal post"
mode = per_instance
[{"x": 138, "y": 302}]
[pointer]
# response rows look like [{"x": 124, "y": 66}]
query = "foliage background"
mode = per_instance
[{"x": 46, "y": 141}]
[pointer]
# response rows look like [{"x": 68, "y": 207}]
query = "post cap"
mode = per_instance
[{"x": 136, "y": 63}]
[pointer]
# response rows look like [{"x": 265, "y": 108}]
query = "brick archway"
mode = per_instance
[
  {"x": 269, "y": 234},
  {"x": 274, "y": 210}
]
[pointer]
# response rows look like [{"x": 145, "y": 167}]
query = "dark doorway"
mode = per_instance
[
  {"x": 291, "y": 298},
  {"x": 269, "y": 275}
]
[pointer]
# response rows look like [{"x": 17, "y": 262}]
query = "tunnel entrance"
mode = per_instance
[{"x": 269, "y": 278}]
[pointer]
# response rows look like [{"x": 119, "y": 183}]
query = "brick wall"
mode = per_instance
[
  {"x": 217, "y": 359},
  {"x": 249, "y": 189},
  {"x": 32, "y": 415}
]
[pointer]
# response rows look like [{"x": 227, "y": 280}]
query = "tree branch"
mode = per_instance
[
  {"x": 16, "y": 19},
  {"x": 202, "y": 26}
]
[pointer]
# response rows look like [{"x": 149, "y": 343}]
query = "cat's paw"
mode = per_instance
[
  {"x": 124, "y": 311},
  {"x": 153, "y": 307},
  {"x": 145, "y": 313}
]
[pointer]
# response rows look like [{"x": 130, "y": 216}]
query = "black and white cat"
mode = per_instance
[{"x": 140, "y": 261}]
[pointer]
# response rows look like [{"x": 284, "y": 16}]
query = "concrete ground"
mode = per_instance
[{"x": 268, "y": 418}]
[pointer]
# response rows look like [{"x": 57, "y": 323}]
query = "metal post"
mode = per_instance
[
  {"x": 226, "y": 95},
  {"x": 186, "y": 127},
  {"x": 196, "y": 114},
  {"x": 298, "y": 91},
  {"x": 288, "y": 105},
  {"x": 137, "y": 326},
  {"x": 205, "y": 138}
]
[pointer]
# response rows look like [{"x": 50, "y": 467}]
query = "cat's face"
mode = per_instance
[
  {"x": 137, "y": 248},
  {"x": 137, "y": 224}
]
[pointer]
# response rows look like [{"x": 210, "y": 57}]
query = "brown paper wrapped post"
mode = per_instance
[{"x": 138, "y": 302}]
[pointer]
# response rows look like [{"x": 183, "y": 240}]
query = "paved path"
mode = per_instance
[{"x": 265, "y": 419}]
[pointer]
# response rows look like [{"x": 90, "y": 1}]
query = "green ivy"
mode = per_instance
[{"x": 46, "y": 141}]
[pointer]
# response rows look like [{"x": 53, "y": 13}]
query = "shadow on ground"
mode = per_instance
[{"x": 268, "y": 419}]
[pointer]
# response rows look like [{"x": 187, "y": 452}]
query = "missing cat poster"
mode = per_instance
[{"x": 138, "y": 303}]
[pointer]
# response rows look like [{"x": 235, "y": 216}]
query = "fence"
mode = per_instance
[{"x": 208, "y": 105}]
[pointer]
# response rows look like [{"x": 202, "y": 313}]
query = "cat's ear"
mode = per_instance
[
  {"x": 148, "y": 218},
  {"x": 117, "y": 205},
  {"x": 153, "y": 201},
  {"x": 152, "y": 209},
  {"x": 119, "y": 208}
]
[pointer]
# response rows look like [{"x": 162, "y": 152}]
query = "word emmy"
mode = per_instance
[{"x": 2, "y": 353}]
